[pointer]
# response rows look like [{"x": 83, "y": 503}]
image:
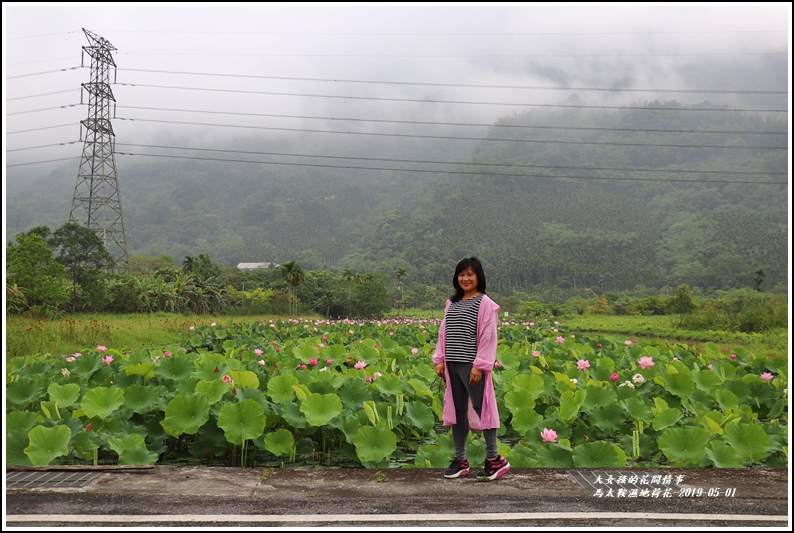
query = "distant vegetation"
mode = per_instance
[{"x": 557, "y": 226}]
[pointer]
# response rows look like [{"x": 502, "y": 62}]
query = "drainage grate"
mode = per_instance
[
  {"x": 597, "y": 479},
  {"x": 48, "y": 479}
]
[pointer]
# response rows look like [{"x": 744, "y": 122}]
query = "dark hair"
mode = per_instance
[{"x": 463, "y": 264}]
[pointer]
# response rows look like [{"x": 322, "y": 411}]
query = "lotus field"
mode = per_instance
[{"x": 345, "y": 393}]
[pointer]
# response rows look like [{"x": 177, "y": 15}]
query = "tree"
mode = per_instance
[
  {"x": 83, "y": 253},
  {"x": 401, "y": 274},
  {"x": 34, "y": 277},
  {"x": 682, "y": 301},
  {"x": 760, "y": 275},
  {"x": 293, "y": 275}
]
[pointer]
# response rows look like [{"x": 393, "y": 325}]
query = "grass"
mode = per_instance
[
  {"x": 661, "y": 329},
  {"x": 38, "y": 336}
]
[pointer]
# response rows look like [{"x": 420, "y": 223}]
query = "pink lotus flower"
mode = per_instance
[
  {"x": 258, "y": 351},
  {"x": 414, "y": 351},
  {"x": 548, "y": 435},
  {"x": 69, "y": 359},
  {"x": 89, "y": 426},
  {"x": 107, "y": 359},
  {"x": 376, "y": 375},
  {"x": 167, "y": 355},
  {"x": 101, "y": 348},
  {"x": 766, "y": 376},
  {"x": 191, "y": 328},
  {"x": 614, "y": 377},
  {"x": 535, "y": 353},
  {"x": 350, "y": 331},
  {"x": 359, "y": 365},
  {"x": 303, "y": 367},
  {"x": 369, "y": 379},
  {"x": 628, "y": 343},
  {"x": 274, "y": 343},
  {"x": 65, "y": 372},
  {"x": 261, "y": 362},
  {"x": 646, "y": 362},
  {"x": 213, "y": 324},
  {"x": 598, "y": 345},
  {"x": 559, "y": 340},
  {"x": 313, "y": 361},
  {"x": 582, "y": 364},
  {"x": 497, "y": 364},
  {"x": 227, "y": 379},
  {"x": 733, "y": 356},
  {"x": 77, "y": 354},
  {"x": 329, "y": 362}
]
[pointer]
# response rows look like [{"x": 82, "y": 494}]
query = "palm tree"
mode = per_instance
[{"x": 293, "y": 275}]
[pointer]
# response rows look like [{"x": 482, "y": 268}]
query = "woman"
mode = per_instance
[{"x": 464, "y": 357}]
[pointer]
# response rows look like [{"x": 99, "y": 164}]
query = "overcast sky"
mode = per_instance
[{"x": 205, "y": 75}]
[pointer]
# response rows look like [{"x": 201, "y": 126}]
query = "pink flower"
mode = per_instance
[
  {"x": 497, "y": 364},
  {"x": 628, "y": 343},
  {"x": 329, "y": 362},
  {"x": 376, "y": 375},
  {"x": 274, "y": 343},
  {"x": 216, "y": 370},
  {"x": 583, "y": 364},
  {"x": 646, "y": 362},
  {"x": 69, "y": 359},
  {"x": 303, "y": 367},
  {"x": 733, "y": 356},
  {"x": 261, "y": 362},
  {"x": 548, "y": 435},
  {"x": 107, "y": 359},
  {"x": 227, "y": 379},
  {"x": 559, "y": 340},
  {"x": 78, "y": 354},
  {"x": 414, "y": 351},
  {"x": 535, "y": 353},
  {"x": 614, "y": 377},
  {"x": 313, "y": 361},
  {"x": 89, "y": 426},
  {"x": 766, "y": 376},
  {"x": 350, "y": 331},
  {"x": 191, "y": 328},
  {"x": 167, "y": 355},
  {"x": 369, "y": 379},
  {"x": 65, "y": 372},
  {"x": 258, "y": 351},
  {"x": 598, "y": 345},
  {"x": 325, "y": 338},
  {"x": 213, "y": 324},
  {"x": 359, "y": 365},
  {"x": 101, "y": 348},
  {"x": 234, "y": 391}
]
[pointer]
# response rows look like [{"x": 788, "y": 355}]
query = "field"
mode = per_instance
[{"x": 249, "y": 391}]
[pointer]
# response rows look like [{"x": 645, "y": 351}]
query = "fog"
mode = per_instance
[{"x": 357, "y": 80}]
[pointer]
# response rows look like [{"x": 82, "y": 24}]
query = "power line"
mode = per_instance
[
  {"x": 358, "y": 158},
  {"x": 43, "y": 72},
  {"x": 451, "y": 137},
  {"x": 430, "y": 101},
  {"x": 454, "y": 171},
  {"x": 470, "y": 86},
  {"x": 413, "y": 122},
  {"x": 461, "y": 56},
  {"x": 42, "y": 94},
  {"x": 419, "y": 161}
]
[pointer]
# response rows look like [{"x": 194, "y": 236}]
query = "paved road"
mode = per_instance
[{"x": 164, "y": 496}]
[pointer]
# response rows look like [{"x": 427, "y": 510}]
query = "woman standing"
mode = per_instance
[{"x": 464, "y": 357}]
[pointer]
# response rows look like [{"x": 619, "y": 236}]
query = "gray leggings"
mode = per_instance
[{"x": 461, "y": 392}]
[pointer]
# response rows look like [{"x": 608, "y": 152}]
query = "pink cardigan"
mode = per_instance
[{"x": 487, "y": 338}]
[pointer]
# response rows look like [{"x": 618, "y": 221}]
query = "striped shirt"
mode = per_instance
[{"x": 461, "y": 329}]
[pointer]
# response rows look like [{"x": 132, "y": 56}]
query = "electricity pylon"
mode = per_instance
[{"x": 96, "y": 203}]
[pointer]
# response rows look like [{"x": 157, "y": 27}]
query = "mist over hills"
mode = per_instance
[
  {"x": 657, "y": 195},
  {"x": 599, "y": 190}
]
